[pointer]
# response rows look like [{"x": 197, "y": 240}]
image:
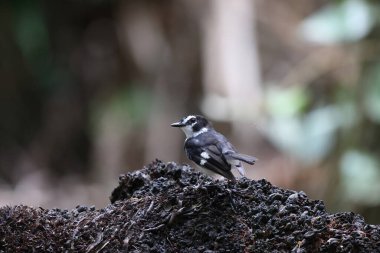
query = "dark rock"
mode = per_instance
[{"x": 171, "y": 208}]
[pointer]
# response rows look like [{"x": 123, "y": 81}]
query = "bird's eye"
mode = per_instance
[{"x": 191, "y": 121}]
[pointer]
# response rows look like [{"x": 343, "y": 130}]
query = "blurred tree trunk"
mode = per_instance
[{"x": 233, "y": 89}]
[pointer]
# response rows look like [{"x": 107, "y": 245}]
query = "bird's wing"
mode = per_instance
[
  {"x": 217, "y": 163},
  {"x": 229, "y": 152},
  {"x": 242, "y": 157},
  {"x": 211, "y": 158}
]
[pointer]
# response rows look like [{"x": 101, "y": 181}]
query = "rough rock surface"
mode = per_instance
[{"x": 172, "y": 208}]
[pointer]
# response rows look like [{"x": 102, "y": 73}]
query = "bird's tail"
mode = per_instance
[{"x": 244, "y": 158}]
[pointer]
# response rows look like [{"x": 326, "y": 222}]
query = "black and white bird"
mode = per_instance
[{"x": 210, "y": 149}]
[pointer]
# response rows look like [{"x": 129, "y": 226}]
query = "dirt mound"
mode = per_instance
[{"x": 172, "y": 208}]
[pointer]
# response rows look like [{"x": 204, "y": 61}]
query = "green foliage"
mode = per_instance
[
  {"x": 372, "y": 93},
  {"x": 129, "y": 106},
  {"x": 286, "y": 102},
  {"x": 308, "y": 138},
  {"x": 307, "y": 135},
  {"x": 32, "y": 36},
  {"x": 360, "y": 177},
  {"x": 344, "y": 21}
]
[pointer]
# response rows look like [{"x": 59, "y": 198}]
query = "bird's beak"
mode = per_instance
[{"x": 177, "y": 124}]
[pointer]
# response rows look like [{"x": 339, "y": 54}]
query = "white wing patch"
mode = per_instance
[
  {"x": 205, "y": 155},
  {"x": 203, "y": 162}
]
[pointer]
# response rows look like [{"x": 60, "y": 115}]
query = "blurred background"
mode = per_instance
[{"x": 88, "y": 90}]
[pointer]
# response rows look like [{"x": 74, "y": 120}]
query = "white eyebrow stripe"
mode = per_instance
[{"x": 188, "y": 118}]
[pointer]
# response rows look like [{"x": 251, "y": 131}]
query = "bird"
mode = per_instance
[{"x": 210, "y": 149}]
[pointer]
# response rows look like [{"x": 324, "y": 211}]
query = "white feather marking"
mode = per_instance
[
  {"x": 205, "y": 155},
  {"x": 203, "y": 130},
  {"x": 203, "y": 162},
  {"x": 188, "y": 118},
  {"x": 188, "y": 130}
]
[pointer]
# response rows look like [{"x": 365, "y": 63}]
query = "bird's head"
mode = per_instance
[{"x": 193, "y": 125}]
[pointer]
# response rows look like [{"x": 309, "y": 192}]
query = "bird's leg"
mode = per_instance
[
  {"x": 232, "y": 202},
  {"x": 199, "y": 182},
  {"x": 240, "y": 169}
]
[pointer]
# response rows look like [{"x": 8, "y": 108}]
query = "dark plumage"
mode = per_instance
[{"x": 210, "y": 149}]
